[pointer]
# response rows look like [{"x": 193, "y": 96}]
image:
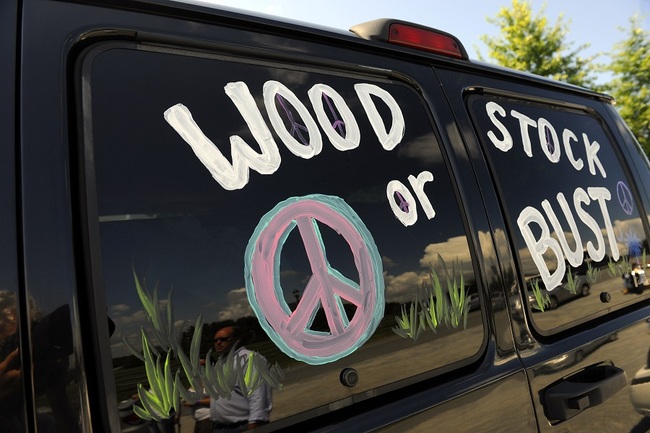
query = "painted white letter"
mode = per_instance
[
  {"x": 567, "y": 136},
  {"x": 592, "y": 156},
  {"x": 538, "y": 247},
  {"x": 303, "y": 148},
  {"x": 601, "y": 194},
  {"x": 524, "y": 123},
  {"x": 580, "y": 196},
  {"x": 418, "y": 187},
  {"x": 406, "y": 210},
  {"x": 229, "y": 176},
  {"x": 574, "y": 257},
  {"x": 504, "y": 144},
  {"x": 347, "y": 122},
  {"x": 389, "y": 139}
]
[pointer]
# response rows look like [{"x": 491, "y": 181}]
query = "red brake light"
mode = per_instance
[
  {"x": 425, "y": 39},
  {"x": 411, "y": 35}
]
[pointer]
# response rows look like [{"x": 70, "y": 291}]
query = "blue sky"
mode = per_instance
[{"x": 594, "y": 22}]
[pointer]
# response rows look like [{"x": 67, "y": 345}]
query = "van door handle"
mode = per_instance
[{"x": 586, "y": 388}]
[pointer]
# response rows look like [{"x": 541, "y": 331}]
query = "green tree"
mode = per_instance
[
  {"x": 630, "y": 86},
  {"x": 528, "y": 42}
]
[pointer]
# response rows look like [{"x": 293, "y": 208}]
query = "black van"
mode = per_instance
[{"x": 379, "y": 217}]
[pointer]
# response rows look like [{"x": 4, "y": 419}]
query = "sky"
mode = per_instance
[{"x": 594, "y": 22}]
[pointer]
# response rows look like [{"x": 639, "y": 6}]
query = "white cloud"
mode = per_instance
[
  {"x": 403, "y": 288},
  {"x": 119, "y": 308},
  {"x": 238, "y": 305},
  {"x": 452, "y": 249}
]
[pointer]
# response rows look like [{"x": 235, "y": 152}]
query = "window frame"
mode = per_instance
[
  {"x": 268, "y": 60},
  {"x": 550, "y": 103}
]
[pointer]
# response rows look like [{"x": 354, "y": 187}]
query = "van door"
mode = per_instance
[{"x": 578, "y": 231}]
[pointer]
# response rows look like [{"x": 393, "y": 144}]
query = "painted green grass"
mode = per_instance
[
  {"x": 445, "y": 302},
  {"x": 165, "y": 388},
  {"x": 542, "y": 299}
]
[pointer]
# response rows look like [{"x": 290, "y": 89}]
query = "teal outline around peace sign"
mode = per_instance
[{"x": 327, "y": 287}]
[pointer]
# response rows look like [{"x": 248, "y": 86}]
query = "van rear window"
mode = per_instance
[
  {"x": 310, "y": 209},
  {"x": 572, "y": 209}
]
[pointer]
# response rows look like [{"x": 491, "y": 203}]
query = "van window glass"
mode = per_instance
[
  {"x": 325, "y": 226},
  {"x": 574, "y": 218}
]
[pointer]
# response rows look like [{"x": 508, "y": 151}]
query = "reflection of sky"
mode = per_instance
[{"x": 188, "y": 234}]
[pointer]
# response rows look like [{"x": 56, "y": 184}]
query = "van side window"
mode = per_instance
[
  {"x": 572, "y": 209},
  {"x": 312, "y": 209}
]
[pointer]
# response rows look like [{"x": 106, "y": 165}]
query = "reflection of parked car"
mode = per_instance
[{"x": 561, "y": 293}]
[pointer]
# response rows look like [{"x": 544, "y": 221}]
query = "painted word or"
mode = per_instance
[
  {"x": 560, "y": 246},
  {"x": 235, "y": 175},
  {"x": 548, "y": 139},
  {"x": 402, "y": 201}
]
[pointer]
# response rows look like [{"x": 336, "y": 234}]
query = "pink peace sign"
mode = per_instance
[{"x": 327, "y": 287}]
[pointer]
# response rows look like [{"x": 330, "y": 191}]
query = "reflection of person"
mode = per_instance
[
  {"x": 51, "y": 338},
  {"x": 201, "y": 413},
  {"x": 10, "y": 373},
  {"x": 639, "y": 275},
  {"x": 635, "y": 280},
  {"x": 240, "y": 413}
]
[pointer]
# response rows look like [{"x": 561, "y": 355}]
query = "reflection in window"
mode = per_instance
[
  {"x": 577, "y": 227},
  {"x": 291, "y": 252}
]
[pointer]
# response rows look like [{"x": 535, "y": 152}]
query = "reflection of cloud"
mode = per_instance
[
  {"x": 487, "y": 243},
  {"x": 387, "y": 262},
  {"x": 422, "y": 148},
  {"x": 404, "y": 287},
  {"x": 127, "y": 323},
  {"x": 292, "y": 81},
  {"x": 627, "y": 231},
  {"x": 289, "y": 274},
  {"x": 238, "y": 305},
  {"x": 123, "y": 316},
  {"x": 120, "y": 308},
  {"x": 452, "y": 249}
]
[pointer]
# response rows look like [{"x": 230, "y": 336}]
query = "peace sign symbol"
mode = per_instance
[
  {"x": 327, "y": 287},
  {"x": 624, "y": 197}
]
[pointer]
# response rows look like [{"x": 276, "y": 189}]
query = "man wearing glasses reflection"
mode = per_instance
[{"x": 240, "y": 413}]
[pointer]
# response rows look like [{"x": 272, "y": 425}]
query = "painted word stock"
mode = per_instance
[
  {"x": 304, "y": 139},
  {"x": 548, "y": 139},
  {"x": 549, "y": 144}
]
